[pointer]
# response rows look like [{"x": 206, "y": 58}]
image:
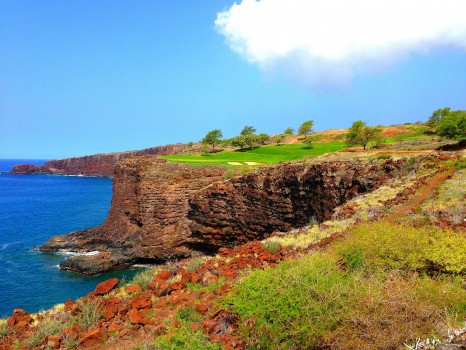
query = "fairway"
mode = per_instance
[{"x": 259, "y": 155}]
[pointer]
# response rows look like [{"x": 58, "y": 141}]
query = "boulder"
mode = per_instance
[{"x": 106, "y": 286}]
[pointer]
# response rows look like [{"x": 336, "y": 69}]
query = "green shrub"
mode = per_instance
[
  {"x": 4, "y": 328},
  {"x": 293, "y": 304},
  {"x": 353, "y": 257},
  {"x": 143, "y": 278},
  {"x": 188, "y": 314},
  {"x": 384, "y": 156},
  {"x": 311, "y": 303},
  {"x": 69, "y": 342},
  {"x": 271, "y": 246},
  {"x": 194, "y": 264},
  {"x": 424, "y": 249},
  {"x": 48, "y": 326},
  {"x": 184, "y": 338},
  {"x": 89, "y": 314}
]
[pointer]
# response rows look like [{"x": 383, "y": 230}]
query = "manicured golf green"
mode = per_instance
[{"x": 262, "y": 155}]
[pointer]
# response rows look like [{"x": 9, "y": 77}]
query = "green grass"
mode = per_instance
[{"x": 263, "y": 154}]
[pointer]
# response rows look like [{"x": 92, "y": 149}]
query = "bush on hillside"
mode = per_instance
[
  {"x": 363, "y": 293},
  {"x": 424, "y": 249}
]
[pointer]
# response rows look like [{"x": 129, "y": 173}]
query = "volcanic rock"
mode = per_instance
[
  {"x": 163, "y": 210},
  {"x": 94, "y": 165},
  {"x": 106, "y": 286}
]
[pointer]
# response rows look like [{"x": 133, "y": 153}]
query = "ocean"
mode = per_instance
[{"x": 32, "y": 209}]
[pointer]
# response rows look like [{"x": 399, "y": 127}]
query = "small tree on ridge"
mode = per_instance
[
  {"x": 361, "y": 134},
  {"x": 212, "y": 138},
  {"x": 306, "y": 128}
]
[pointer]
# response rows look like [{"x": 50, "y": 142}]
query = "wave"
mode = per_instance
[{"x": 70, "y": 253}]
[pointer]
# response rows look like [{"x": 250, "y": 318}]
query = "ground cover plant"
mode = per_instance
[{"x": 371, "y": 290}]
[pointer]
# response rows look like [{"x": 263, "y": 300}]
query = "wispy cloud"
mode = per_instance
[{"x": 325, "y": 42}]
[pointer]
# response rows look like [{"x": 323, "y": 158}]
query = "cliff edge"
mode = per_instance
[
  {"x": 162, "y": 210},
  {"x": 94, "y": 165}
]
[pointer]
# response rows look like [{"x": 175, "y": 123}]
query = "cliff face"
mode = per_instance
[
  {"x": 94, "y": 165},
  {"x": 277, "y": 198},
  {"x": 162, "y": 210}
]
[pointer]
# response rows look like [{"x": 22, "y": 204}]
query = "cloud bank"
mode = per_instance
[{"x": 325, "y": 42}]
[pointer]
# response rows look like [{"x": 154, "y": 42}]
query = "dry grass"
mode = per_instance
[{"x": 449, "y": 200}]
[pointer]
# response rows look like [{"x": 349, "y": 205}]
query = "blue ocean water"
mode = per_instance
[{"x": 32, "y": 209}]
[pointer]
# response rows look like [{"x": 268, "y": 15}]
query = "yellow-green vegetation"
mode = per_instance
[
  {"x": 449, "y": 200},
  {"x": 194, "y": 263},
  {"x": 49, "y": 325},
  {"x": 182, "y": 336},
  {"x": 144, "y": 277},
  {"x": 89, "y": 312},
  {"x": 425, "y": 249},
  {"x": 4, "y": 328},
  {"x": 366, "y": 292},
  {"x": 55, "y": 320}
]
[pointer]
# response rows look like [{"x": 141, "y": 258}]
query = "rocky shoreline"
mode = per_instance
[
  {"x": 162, "y": 211},
  {"x": 101, "y": 165}
]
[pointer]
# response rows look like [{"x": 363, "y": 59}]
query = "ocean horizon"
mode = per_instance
[{"x": 32, "y": 209}]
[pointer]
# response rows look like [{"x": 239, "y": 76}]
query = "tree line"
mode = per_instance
[
  {"x": 443, "y": 122},
  {"x": 248, "y": 138}
]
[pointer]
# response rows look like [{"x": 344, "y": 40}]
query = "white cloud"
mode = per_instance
[{"x": 319, "y": 42}]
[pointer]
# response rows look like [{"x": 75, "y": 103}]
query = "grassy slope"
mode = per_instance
[
  {"x": 326, "y": 142},
  {"x": 263, "y": 154}
]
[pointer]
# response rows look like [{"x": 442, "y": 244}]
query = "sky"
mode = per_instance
[{"x": 80, "y": 77}]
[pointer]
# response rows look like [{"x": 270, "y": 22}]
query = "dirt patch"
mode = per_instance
[{"x": 234, "y": 163}]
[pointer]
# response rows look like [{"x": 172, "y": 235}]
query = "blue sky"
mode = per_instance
[{"x": 82, "y": 77}]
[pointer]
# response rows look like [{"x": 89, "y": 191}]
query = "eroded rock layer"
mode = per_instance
[
  {"x": 162, "y": 210},
  {"x": 278, "y": 198}
]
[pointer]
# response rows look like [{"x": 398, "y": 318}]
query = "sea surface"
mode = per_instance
[{"x": 32, "y": 209}]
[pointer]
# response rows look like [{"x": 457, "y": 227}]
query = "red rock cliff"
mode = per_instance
[
  {"x": 162, "y": 210},
  {"x": 94, "y": 165}
]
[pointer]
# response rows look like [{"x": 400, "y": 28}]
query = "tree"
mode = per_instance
[
  {"x": 308, "y": 140},
  {"x": 238, "y": 141},
  {"x": 306, "y": 128},
  {"x": 453, "y": 125},
  {"x": 213, "y": 137},
  {"x": 248, "y": 130},
  {"x": 448, "y": 123},
  {"x": 288, "y": 131},
  {"x": 361, "y": 134},
  {"x": 279, "y": 139},
  {"x": 248, "y": 136},
  {"x": 436, "y": 116},
  {"x": 263, "y": 138}
]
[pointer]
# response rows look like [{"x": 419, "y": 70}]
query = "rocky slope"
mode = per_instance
[
  {"x": 94, "y": 165},
  {"x": 163, "y": 210}
]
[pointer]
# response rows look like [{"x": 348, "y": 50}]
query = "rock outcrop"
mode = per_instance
[
  {"x": 162, "y": 210},
  {"x": 94, "y": 165}
]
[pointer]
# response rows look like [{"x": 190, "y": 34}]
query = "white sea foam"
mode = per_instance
[{"x": 70, "y": 253}]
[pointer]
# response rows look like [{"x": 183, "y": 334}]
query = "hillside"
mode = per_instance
[{"x": 374, "y": 258}]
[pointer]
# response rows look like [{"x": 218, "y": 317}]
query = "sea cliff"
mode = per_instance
[
  {"x": 162, "y": 210},
  {"x": 94, "y": 165}
]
